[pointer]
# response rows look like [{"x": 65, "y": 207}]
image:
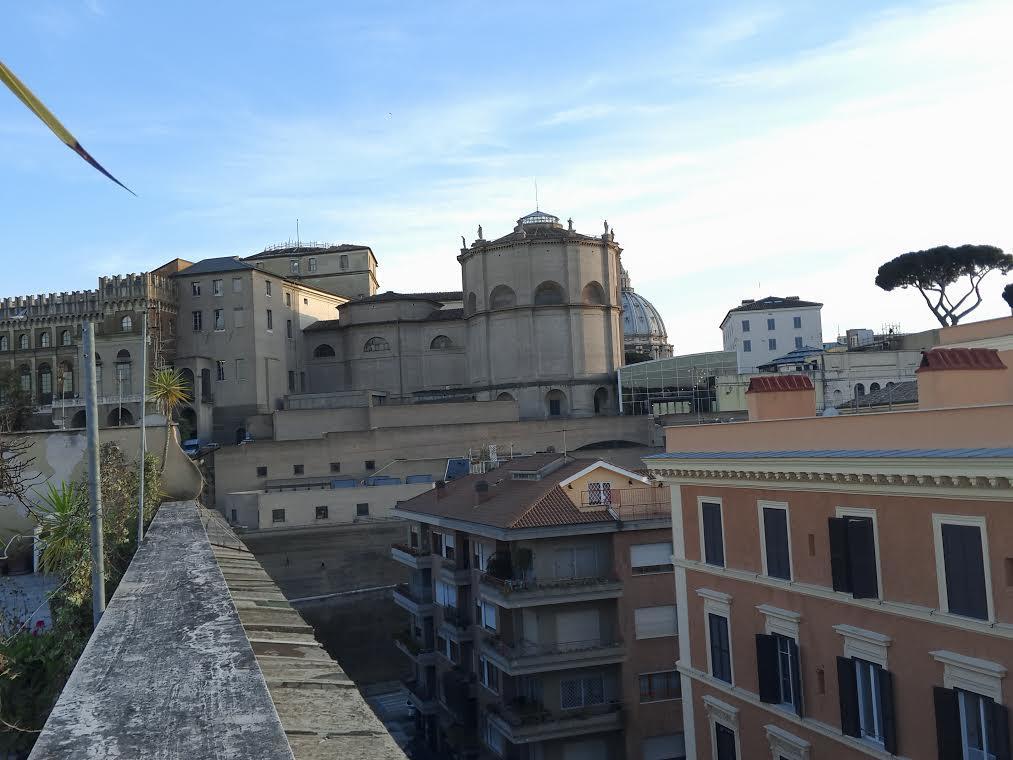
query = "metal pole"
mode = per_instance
[
  {"x": 98, "y": 586},
  {"x": 144, "y": 378}
]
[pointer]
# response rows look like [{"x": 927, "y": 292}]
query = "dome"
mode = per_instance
[{"x": 643, "y": 328}]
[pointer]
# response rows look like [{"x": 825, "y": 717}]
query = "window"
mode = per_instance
[
  {"x": 291, "y": 381},
  {"x": 220, "y": 369},
  {"x": 853, "y": 561},
  {"x": 370, "y": 464},
  {"x": 293, "y": 266},
  {"x": 772, "y": 344},
  {"x": 362, "y": 510},
  {"x": 873, "y": 387},
  {"x": 45, "y": 380},
  {"x": 298, "y": 469},
  {"x": 235, "y": 517},
  {"x": 450, "y": 649},
  {"x": 446, "y": 546},
  {"x": 483, "y": 552},
  {"x": 26, "y": 378},
  {"x": 488, "y": 675},
  {"x": 312, "y": 265},
  {"x": 711, "y": 534},
  {"x": 277, "y": 515},
  {"x": 668, "y": 747},
  {"x": 796, "y": 322},
  {"x": 198, "y": 321},
  {"x": 770, "y": 323},
  {"x": 441, "y": 343},
  {"x": 195, "y": 288},
  {"x": 219, "y": 319},
  {"x": 778, "y": 671},
  {"x": 322, "y": 513},
  {"x": 798, "y": 342},
  {"x": 22, "y": 341},
  {"x": 549, "y": 293},
  {"x": 288, "y": 300},
  {"x": 859, "y": 390},
  {"x": 267, "y": 288},
  {"x": 493, "y": 738},
  {"x": 446, "y": 594},
  {"x": 322, "y": 351},
  {"x": 775, "y": 546},
  {"x": 720, "y": 650},
  {"x": 65, "y": 339},
  {"x": 216, "y": 287},
  {"x": 270, "y": 320},
  {"x": 554, "y": 407},
  {"x": 585, "y": 691},
  {"x": 970, "y": 726},
  {"x": 241, "y": 369},
  {"x": 961, "y": 559},
  {"x": 5, "y": 342},
  {"x": 575, "y": 562},
  {"x": 651, "y": 558},
  {"x": 724, "y": 743},
  {"x": 599, "y": 494},
  {"x": 237, "y": 284},
  {"x": 44, "y": 337},
  {"x": 865, "y": 691},
  {"x": 239, "y": 317},
  {"x": 343, "y": 261},
  {"x": 655, "y": 687},
  {"x": 288, "y": 329},
  {"x": 745, "y": 325},
  {"x": 488, "y": 616},
  {"x": 747, "y": 346},
  {"x": 335, "y": 466},
  {"x": 376, "y": 344},
  {"x": 502, "y": 297},
  {"x": 655, "y": 622},
  {"x": 261, "y": 472}
]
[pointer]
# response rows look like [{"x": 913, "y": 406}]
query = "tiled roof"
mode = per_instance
[
  {"x": 960, "y": 358},
  {"x": 299, "y": 250},
  {"x": 212, "y": 266},
  {"x": 555, "y": 508},
  {"x": 798, "y": 356},
  {"x": 988, "y": 453},
  {"x": 322, "y": 324},
  {"x": 779, "y": 383},
  {"x": 769, "y": 304},
  {"x": 900, "y": 393},
  {"x": 443, "y": 315},
  {"x": 390, "y": 295}
]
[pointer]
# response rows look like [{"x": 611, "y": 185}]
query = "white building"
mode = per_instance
[{"x": 759, "y": 331}]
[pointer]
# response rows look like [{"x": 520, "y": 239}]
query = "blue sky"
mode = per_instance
[{"x": 738, "y": 149}]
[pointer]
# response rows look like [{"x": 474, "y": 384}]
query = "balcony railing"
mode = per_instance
[
  {"x": 524, "y": 648},
  {"x": 458, "y": 617},
  {"x": 421, "y": 690},
  {"x": 419, "y": 596},
  {"x": 414, "y": 551},
  {"x": 637, "y": 499},
  {"x": 526, "y": 720},
  {"x": 515, "y": 585},
  {"x": 412, "y": 645}
]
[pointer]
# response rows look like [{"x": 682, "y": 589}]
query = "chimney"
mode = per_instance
[
  {"x": 747, "y": 301},
  {"x": 950, "y": 377},
  {"x": 481, "y": 492},
  {"x": 441, "y": 487},
  {"x": 780, "y": 397}
]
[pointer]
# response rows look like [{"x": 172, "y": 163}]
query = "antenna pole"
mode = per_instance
[
  {"x": 297, "y": 231},
  {"x": 536, "y": 196}
]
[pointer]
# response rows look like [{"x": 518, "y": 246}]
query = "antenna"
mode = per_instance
[
  {"x": 536, "y": 196},
  {"x": 297, "y": 232}
]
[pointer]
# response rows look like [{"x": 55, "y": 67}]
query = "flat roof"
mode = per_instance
[{"x": 987, "y": 453}]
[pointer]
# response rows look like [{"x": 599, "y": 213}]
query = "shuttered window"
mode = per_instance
[
  {"x": 853, "y": 556},
  {"x": 970, "y": 726},
  {"x": 964, "y": 566},
  {"x": 779, "y": 671},
  {"x": 651, "y": 558},
  {"x": 865, "y": 691},
  {"x": 713, "y": 539},
  {"x": 655, "y": 622},
  {"x": 721, "y": 653},
  {"x": 775, "y": 542}
]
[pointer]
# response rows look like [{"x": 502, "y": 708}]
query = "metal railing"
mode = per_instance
[
  {"x": 513, "y": 585},
  {"x": 524, "y": 648},
  {"x": 519, "y": 712},
  {"x": 620, "y": 498},
  {"x": 419, "y": 596},
  {"x": 422, "y": 690},
  {"x": 414, "y": 551}
]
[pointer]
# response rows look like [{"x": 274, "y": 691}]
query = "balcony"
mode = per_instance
[
  {"x": 632, "y": 503},
  {"x": 459, "y": 688},
  {"x": 525, "y": 657},
  {"x": 456, "y": 624},
  {"x": 456, "y": 571},
  {"x": 415, "y": 650},
  {"x": 423, "y": 696},
  {"x": 514, "y": 593},
  {"x": 526, "y": 722},
  {"x": 417, "y": 558},
  {"x": 417, "y": 601}
]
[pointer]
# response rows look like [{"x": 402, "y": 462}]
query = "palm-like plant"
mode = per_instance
[
  {"x": 169, "y": 390},
  {"x": 65, "y": 527}
]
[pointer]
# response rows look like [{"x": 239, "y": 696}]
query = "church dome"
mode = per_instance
[{"x": 643, "y": 328}]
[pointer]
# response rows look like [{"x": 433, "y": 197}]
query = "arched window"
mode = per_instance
[
  {"x": 322, "y": 351},
  {"x": 593, "y": 294},
  {"x": 126, "y": 324},
  {"x": 45, "y": 383},
  {"x": 123, "y": 374},
  {"x": 26, "y": 378},
  {"x": 80, "y": 420},
  {"x": 44, "y": 339},
  {"x": 502, "y": 297},
  {"x": 601, "y": 401},
  {"x": 504, "y": 397},
  {"x": 838, "y": 396},
  {"x": 555, "y": 403},
  {"x": 376, "y": 344},
  {"x": 472, "y": 303},
  {"x": 890, "y": 385},
  {"x": 873, "y": 387},
  {"x": 5, "y": 343},
  {"x": 548, "y": 294},
  {"x": 65, "y": 338},
  {"x": 859, "y": 390},
  {"x": 23, "y": 341},
  {"x": 441, "y": 343},
  {"x": 120, "y": 416}
]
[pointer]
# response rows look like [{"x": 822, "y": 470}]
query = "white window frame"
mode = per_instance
[
  {"x": 777, "y": 620},
  {"x": 699, "y": 519},
  {"x": 786, "y": 745},
  {"x": 484, "y": 664},
  {"x": 217, "y": 287},
  {"x": 604, "y": 493},
  {"x": 978, "y": 521},
  {"x": 865, "y": 645},
  {"x": 760, "y": 506},
  {"x": 717, "y": 603},
  {"x": 871, "y": 514},
  {"x": 877, "y": 707},
  {"x": 971, "y": 674},
  {"x": 195, "y": 288},
  {"x": 725, "y": 714}
]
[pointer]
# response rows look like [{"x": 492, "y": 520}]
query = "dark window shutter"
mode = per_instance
[
  {"x": 1000, "y": 732},
  {"x": 766, "y": 668},
  {"x": 725, "y": 742},
  {"x": 947, "y": 724},
  {"x": 714, "y": 553},
  {"x": 862, "y": 558},
  {"x": 847, "y": 691},
  {"x": 965, "y": 570},
  {"x": 886, "y": 705},
  {"x": 839, "y": 555},
  {"x": 796, "y": 675},
  {"x": 775, "y": 536}
]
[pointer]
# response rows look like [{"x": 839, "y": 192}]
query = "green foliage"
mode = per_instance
[
  {"x": 169, "y": 390},
  {"x": 16, "y": 405},
  {"x": 34, "y": 665},
  {"x": 1007, "y": 295},
  {"x": 934, "y": 270}
]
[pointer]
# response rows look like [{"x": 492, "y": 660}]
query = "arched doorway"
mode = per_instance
[
  {"x": 601, "y": 401},
  {"x": 555, "y": 403},
  {"x": 79, "y": 420},
  {"x": 504, "y": 397},
  {"x": 120, "y": 416}
]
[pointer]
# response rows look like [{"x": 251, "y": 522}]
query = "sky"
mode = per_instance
[{"x": 738, "y": 149}]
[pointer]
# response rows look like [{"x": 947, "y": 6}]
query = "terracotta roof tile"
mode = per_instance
[
  {"x": 779, "y": 383},
  {"x": 960, "y": 358},
  {"x": 555, "y": 508}
]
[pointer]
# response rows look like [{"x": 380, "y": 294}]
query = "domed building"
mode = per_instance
[{"x": 644, "y": 333}]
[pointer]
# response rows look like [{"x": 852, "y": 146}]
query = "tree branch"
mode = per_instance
[{"x": 932, "y": 308}]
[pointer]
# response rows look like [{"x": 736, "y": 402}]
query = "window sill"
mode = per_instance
[{"x": 660, "y": 701}]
